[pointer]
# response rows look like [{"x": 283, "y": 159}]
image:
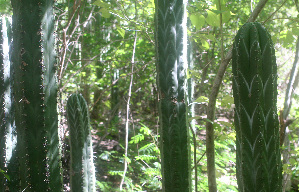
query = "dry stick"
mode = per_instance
[
  {"x": 194, "y": 156},
  {"x": 128, "y": 111},
  {"x": 63, "y": 64},
  {"x": 274, "y": 12},
  {"x": 65, "y": 41},
  {"x": 210, "y": 146}
]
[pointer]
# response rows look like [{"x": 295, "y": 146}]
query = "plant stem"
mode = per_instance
[{"x": 128, "y": 110}]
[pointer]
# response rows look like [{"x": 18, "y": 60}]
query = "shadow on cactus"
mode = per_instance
[
  {"x": 82, "y": 167},
  {"x": 256, "y": 121}
]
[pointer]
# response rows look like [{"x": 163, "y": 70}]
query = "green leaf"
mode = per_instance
[
  {"x": 227, "y": 101},
  {"x": 5, "y": 175},
  {"x": 121, "y": 31},
  {"x": 213, "y": 19},
  {"x": 295, "y": 31},
  {"x": 292, "y": 161},
  {"x": 287, "y": 38},
  {"x": 223, "y": 2},
  {"x": 202, "y": 99},
  {"x": 137, "y": 138},
  {"x": 214, "y": 12},
  {"x": 145, "y": 129},
  {"x": 105, "y": 13},
  {"x": 101, "y": 4},
  {"x": 196, "y": 117},
  {"x": 211, "y": 37},
  {"x": 227, "y": 124},
  {"x": 205, "y": 44},
  {"x": 197, "y": 20}
]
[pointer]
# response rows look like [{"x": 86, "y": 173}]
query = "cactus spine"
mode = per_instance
[
  {"x": 171, "y": 63},
  {"x": 256, "y": 120},
  {"x": 35, "y": 93},
  {"x": 82, "y": 167}
]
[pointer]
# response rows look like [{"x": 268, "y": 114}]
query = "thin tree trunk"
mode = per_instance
[
  {"x": 292, "y": 84},
  {"x": 128, "y": 111},
  {"x": 210, "y": 147}
]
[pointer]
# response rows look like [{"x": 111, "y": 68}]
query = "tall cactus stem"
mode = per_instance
[
  {"x": 171, "y": 34},
  {"x": 256, "y": 120},
  {"x": 82, "y": 166},
  {"x": 2, "y": 113},
  {"x": 35, "y": 93}
]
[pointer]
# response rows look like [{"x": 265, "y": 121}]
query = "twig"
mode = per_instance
[{"x": 128, "y": 107}]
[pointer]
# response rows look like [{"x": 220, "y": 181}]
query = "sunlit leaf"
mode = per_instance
[
  {"x": 205, "y": 44},
  {"x": 295, "y": 31},
  {"x": 202, "y": 99},
  {"x": 213, "y": 19},
  {"x": 105, "y": 13},
  {"x": 292, "y": 161},
  {"x": 227, "y": 101},
  {"x": 121, "y": 31},
  {"x": 211, "y": 37},
  {"x": 101, "y": 4},
  {"x": 197, "y": 20}
]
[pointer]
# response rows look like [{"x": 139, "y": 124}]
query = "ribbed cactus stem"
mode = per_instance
[
  {"x": 8, "y": 133},
  {"x": 82, "y": 166},
  {"x": 35, "y": 93},
  {"x": 171, "y": 28},
  {"x": 256, "y": 120},
  {"x": 2, "y": 113}
]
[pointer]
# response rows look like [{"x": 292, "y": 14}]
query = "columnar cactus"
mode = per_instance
[
  {"x": 82, "y": 167},
  {"x": 35, "y": 93},
  {"x": 171, "y": 61},
  {"x": 256, "y": 120},
  {"x": 2, "y": 114}
]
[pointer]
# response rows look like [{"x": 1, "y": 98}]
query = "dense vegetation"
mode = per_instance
[{"x": 106, "y": 50}]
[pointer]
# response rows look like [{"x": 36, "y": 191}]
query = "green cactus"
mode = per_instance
[
  {"x": 171, "y": 61},
  {"x": 35, "y": 93},
  {"x": 256, "y": 121},
  {"x": 2, "y": 113},
  {"x": 82, "y": 167}
]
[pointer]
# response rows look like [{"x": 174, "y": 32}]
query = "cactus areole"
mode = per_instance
[{"x": 256, "y": 121}]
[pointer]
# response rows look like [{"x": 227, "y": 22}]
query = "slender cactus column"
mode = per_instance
[
  {"x": 35, "y": 93},
  {"x": 171, "y": 34},
  {"x": 82, "y": 167},
  {"x": 256, "y": 119},
  {"x": 2, "y": 113}
]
